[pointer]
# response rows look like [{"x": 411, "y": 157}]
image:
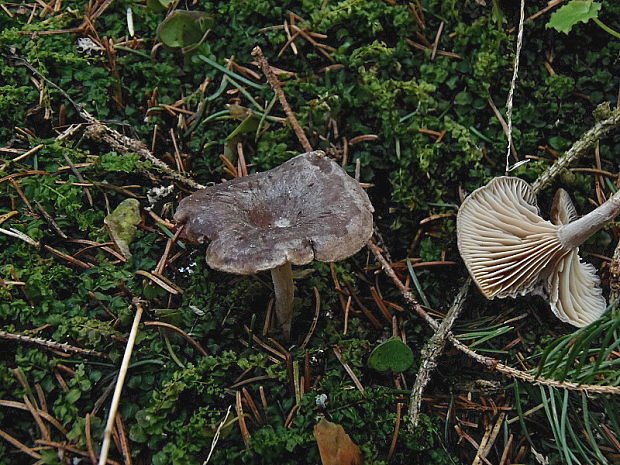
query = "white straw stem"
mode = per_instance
[
  {"x": 513, "y": 83},
  {"x": 118, "y": 389}
]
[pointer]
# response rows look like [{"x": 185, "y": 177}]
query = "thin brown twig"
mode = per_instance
[
  {"x": 317, "y": 311},
  {"x": 349, "y": 371},
  {"x": 51, "y": 344},
  {"x": 245, "y": 433},
  {"x": 486, "y": 361},
  {"x": 436, "y": 41},
  {"x": 72, "y": 449},
  {"x": 277, "y": 88},
  {"x": 551, "y": 4},
  {"x": 124, "y": 442},
  {"x": 20, "y": 445},
  {"x": 89, "y": 439},
  {"x": 43, "y": 414},
  {"x": 180, "y": 332}
]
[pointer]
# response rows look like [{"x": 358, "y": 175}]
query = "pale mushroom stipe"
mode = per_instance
[
  {"x": 510, "y": 250},
  {"x": 306, "y": 209}
]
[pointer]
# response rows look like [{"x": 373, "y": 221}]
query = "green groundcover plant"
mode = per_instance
[{"x": 373, "y": 83}]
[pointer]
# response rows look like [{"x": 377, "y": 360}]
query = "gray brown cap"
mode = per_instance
[
  {"x": 305, "y": 209},
  {"x": 510, "y": 250}
]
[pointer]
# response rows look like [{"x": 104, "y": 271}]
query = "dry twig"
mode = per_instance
[
  {"x": 118, "y": 142},
  {"x": 120, "y": 381},
  {"x": 578, "y": 149},
  {"x": 486, "y": 361},
  {"x": 431, "y": 351},
  {"x": 51, "y": 344},
  {"x": 277, "y": 88}
]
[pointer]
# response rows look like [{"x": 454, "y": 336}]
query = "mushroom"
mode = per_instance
[
  {"x": 305, "y": 209},
  {"x": 509, "y": 250}
]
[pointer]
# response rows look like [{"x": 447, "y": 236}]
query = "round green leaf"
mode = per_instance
[
  {"x": 183, "y": 28},
  {"x": 392, "y": 354}
]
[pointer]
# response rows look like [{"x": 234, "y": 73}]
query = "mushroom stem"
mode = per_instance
[
  {"x": 284, "y": 289},
  {"x": 574, "y": 234}
]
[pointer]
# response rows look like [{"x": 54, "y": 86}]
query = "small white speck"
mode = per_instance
[
  {"x": 196, "y": 310},
  {"x": 86, "y": 45},
  {"x": 282, "y": 223}
]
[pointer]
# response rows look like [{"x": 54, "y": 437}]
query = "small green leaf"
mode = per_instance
[
  {"x": 573, "y": 12},
  {"x": 559, "y": 143},
  {"x": 183, "y": 28},
  {"x": 463, "y": 98},
  {"x": 158, "y": 5},
  {"x": 250, "y": 124},
  {"x": 122, "y": 224},
  {"x": 392, "y": 354}
]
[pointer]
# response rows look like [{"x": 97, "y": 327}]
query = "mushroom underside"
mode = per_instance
[
  {"x": 574, "y": 291},
  {"x": 510, "y": 250},
  {"x": 503, "y": 241}
]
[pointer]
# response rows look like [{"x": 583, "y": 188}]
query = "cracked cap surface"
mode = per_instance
[{"x": 305, "y": 209}]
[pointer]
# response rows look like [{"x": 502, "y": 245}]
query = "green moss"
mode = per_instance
[{"x": 174, "y": 398}]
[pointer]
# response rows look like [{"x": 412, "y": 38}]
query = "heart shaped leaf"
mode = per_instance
[{"x": 392, "y": 354}]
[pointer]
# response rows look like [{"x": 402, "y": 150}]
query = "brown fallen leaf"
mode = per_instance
[{"x": 335, "y": 446}]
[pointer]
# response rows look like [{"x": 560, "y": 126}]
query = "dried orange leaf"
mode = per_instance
[{"x": 335, "y": 446}]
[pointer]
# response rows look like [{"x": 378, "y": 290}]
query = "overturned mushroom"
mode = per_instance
[
  {"x": 305, "y": 209},
  {"x": 510, "y": 250}
]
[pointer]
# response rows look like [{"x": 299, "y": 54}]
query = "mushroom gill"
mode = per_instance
[
  {"x": 510, "y": 250},
  {"x": 573, "y": 286},
  {"x": 504, "y": 242}
]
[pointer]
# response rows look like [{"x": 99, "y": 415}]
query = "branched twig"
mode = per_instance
[
  {"x": 431, "y": 352},
  {"x": 120, "y": 143},
  {"x": 124, "y": 145},
  {"x": 50, "y": 344},
  {"x": 579, "y": 148},
  {"x": 277, "y": 88},
  {"x": 486, "y": 361}
]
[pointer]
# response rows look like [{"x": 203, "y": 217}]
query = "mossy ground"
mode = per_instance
[{"x": 436, "y": 134}]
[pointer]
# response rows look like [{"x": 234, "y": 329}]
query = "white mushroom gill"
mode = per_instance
[
  {"x": 574, "y": 293},
  {"x": 573, "y": 287},
  {"x": 504, "y": 242},
  {"x": 510, "y": 250}
]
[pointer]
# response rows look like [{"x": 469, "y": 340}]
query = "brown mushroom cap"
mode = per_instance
[{"x": 307, "y": 208}]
